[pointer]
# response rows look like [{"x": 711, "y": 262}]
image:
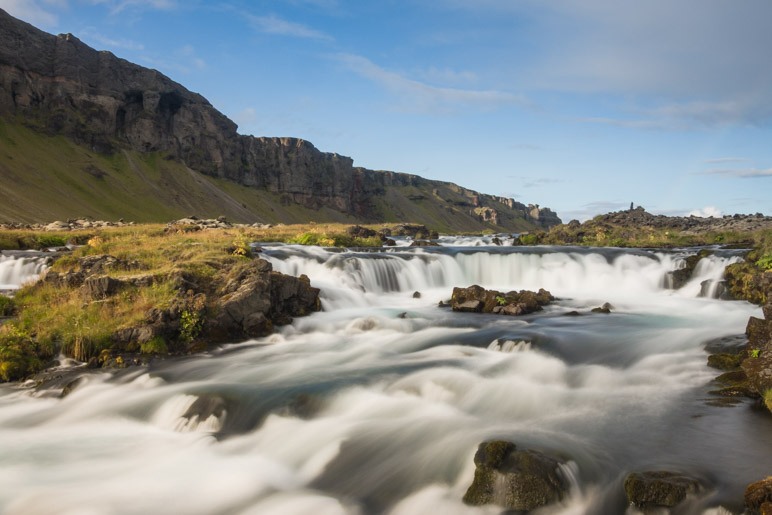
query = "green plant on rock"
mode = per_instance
[
  {"x": 191, "y": 324},
  {"x": 765, "y": 262},
  {"x": 501, "y": 300},
  {"x": 754, "y": 353}
]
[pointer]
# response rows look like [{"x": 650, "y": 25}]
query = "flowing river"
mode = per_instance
[{"x": 377, "y": 403}]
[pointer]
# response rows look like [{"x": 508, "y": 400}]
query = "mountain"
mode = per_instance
[{"x": 84, "y": 132}]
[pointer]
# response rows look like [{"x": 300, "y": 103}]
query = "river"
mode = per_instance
[{"x": 377, "y": 403}]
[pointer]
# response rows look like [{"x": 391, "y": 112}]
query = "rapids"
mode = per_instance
[{"x": 377, "y": 403}]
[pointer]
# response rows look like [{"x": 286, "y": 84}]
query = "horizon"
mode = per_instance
[{"x": 579, "y": 108}]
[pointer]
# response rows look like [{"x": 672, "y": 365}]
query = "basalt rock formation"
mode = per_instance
[{"x": 61, "y": 86}]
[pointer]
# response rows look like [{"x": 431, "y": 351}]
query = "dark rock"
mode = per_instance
[
  {"x": 253, "y": 299},
  {"x": 759, "y": 332},
  {"x": 515, "y": 479},
  {"x": 206, "y": 406},
  {"x": 72, "y": 385},
  {"x": 605, "y": 308},
  {"x": 767, "y": 310},
  {"x": 659, "y": 488},
  {"x": 724, "y": 361},
  {"x": 417, "y": 295},
  {"x": 424, "y": 243},
  {"x": 572, "y": 314},
  {"x": 100, "y": 287},
  {"x": 478, "y": 299},
  {"x": 758, "y": 497},
  {"x": 357, "y": 231}
]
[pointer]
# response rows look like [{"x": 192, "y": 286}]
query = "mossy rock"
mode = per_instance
[
  {"x": 515, "y": 479},
  {"x": 659, "y": 488},
  {"x": 724, "y": 361}
]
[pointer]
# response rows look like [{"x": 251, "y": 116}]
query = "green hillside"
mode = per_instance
[{"x": 45, "y": 178}]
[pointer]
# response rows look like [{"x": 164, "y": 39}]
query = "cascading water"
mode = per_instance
[
  {"x": 19, "y": 268},
  {"x": 377, "y": 404}
]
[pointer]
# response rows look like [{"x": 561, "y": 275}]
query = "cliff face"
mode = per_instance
[{"x": 59, "y": 85}]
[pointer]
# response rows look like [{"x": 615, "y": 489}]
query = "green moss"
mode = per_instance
[
  {"x": 156, "y": 345},
  {"x": 767, "y": 398}
]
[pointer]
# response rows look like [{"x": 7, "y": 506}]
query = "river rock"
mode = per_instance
[
  {"x": 759, "y": 332},
  {"x": 515, "y": 479},
  {"x": 659, "y": 488},
  {"x": 477, "y": 299},
  {"x": 758, "y": 497}
]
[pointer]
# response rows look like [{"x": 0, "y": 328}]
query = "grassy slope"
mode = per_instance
[{"x": 46, "y": 178}]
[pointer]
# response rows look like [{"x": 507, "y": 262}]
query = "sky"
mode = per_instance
[{"x": 582, "y": 106}]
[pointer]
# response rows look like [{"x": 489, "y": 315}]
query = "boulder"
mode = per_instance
[
  {"x": 653, "y": 489},
  {"x": 515, "y": 479},
  {"x": 759, "y": 332},
  {"x": 724, "y": 361},
  {"x": 477, "y": 299},
  {"x": 605, "y": 308},
  {"x": 758, "y": 497}
]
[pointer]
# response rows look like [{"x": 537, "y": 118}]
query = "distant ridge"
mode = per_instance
[{"x": 131, "y": 132}]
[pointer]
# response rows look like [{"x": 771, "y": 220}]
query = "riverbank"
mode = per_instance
[{"x": 118, "y": 293}]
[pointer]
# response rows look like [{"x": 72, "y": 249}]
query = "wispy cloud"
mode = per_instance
[
  {"x": 746, "y": 173},
  {"x": 90, "y": 33},
  {"x": 33, "y": 11},
  {"x": 426, "y": 97},
  {"x": 721, "y": 160},
  {"x": 273, "y": 24},
  {"x": 119, "y": 6},
  {"x": 592, "y": 209},
  {"x": 186, "y": 60},
  {"x": 533, "y": 182}
]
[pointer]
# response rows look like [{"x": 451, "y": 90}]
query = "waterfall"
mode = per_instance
[
  {"x": 19, "y": 268},
  {"x": 573, "y": 272}
]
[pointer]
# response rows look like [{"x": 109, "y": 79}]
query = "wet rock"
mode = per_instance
[
  {"x": 515, "y": 479},
  {"x": 477, "y": 299},
  {"x": 767, "y": 310},
  {"x": 424, "y": 243},
  {"x": 572, "y": 314},
  {"x": 605, "y": 308},
  {"x": 417, "y": 295},
  {"x": 724, "y": 361},
  {"x": 653, "y": 489},
  {"x": 758, "y": 497}
]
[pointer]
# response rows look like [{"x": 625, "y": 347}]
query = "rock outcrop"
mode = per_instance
[
  {"x": 515, "y": 479},
  {"x": 476, "y": 299},
  {"x": 59, "y": 85}
]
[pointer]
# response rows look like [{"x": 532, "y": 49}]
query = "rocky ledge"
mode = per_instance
[{"x": 114, "y": 311}]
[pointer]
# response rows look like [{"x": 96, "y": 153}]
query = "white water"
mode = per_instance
[
  {"x": 359, "y": 410},
  {"x": 18, "y": 269}
]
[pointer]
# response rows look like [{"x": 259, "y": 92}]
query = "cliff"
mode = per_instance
[{"x": 57, "y": 85}]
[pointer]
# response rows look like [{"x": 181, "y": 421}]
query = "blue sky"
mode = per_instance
[{"x": 580, "y": 105}]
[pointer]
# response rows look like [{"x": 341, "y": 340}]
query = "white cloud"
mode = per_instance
[
  {"x": 747, "y": 173},
  {"x": 706, "y": 212},
  {"x": 428, "y": 98},
  {"x": 118, "y": 6},
  {"x": 720, "y": 160},
  {"x": 684, "y": 65},
  {"x": 33, "y": 12},
  {"x": 89, "y": 33},
  {"x": 272, "y": 24}
]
